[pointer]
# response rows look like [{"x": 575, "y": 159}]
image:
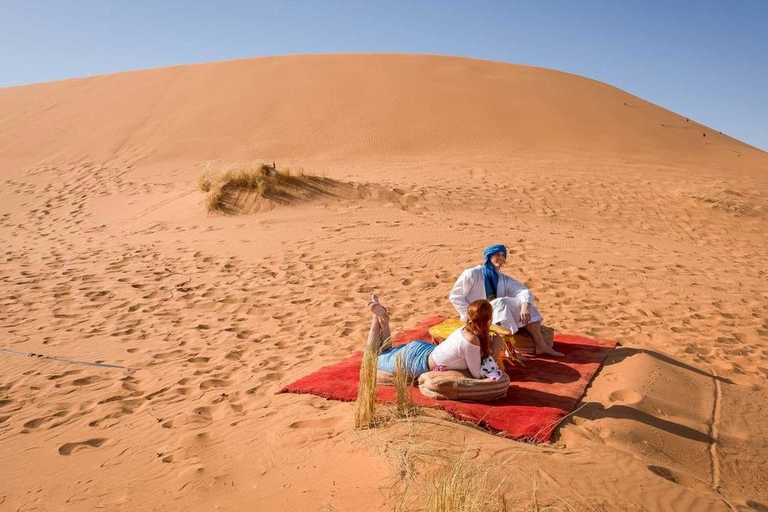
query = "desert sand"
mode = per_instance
[{"x": 628, "y": 221}]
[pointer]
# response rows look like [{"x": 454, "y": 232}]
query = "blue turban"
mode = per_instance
[{"x": 491, "y": 275}]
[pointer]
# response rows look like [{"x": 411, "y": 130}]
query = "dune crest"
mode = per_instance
[{"x": 357, "y": 105}]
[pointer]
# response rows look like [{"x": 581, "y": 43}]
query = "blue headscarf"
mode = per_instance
[{"x": 491, "y": 275}]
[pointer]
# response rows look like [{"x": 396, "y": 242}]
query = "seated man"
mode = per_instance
[{"x": 512, "y": 301}]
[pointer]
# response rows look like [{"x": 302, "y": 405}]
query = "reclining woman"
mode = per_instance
[{"x": 472, "y": 347}]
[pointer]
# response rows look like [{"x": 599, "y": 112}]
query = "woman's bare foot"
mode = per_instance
[
  {"x": 379, "y": 337},
  {"x": 376, "y": 308}
]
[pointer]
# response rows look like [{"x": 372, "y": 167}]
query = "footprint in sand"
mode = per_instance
[
  {"x": 234, "y": 355},
  {"x": 757, "y": 506},
  {"x": 271, "y": 377},
  {"x": 70, "y": 448},
  {"x": 322, "y": 423},
  {"x": 60, "y": 375},
  {"x": 213, "y": 383},
  {"x": 625, "y": 396},
  {"x": 157, "y": 393},
  {"x": 85, "y": 380},
  {"x": 37, "y": 422},
  {"x": 678, "y": 478},
  {"x": 204, "y": 412}
]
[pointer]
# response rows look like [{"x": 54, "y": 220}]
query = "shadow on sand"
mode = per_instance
[
  {"x": 621, "y": 353},
  {"x": 594, "y": 411}
]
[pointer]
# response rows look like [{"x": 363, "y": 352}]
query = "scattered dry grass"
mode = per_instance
[
  {"x": 434, "y": 475},
  {"x": 461, "y": 482},
  {"x": 404, "y": 406},
  {"x": 720, "y": 197},
  {"x": 462, "y": 486},
  {"x": 263, "y": 179},
  {"x": 410, "y": 453},
  {"x": 429, "y": 475},
  {"x": 366, "y": 413},
  {"x": 257, "y": 187},
  {"x": 436, "y": 478},
  {"x": 365, "y": 405}
]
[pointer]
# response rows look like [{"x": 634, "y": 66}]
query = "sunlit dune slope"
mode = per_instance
[{"x": 362, "y": 105}]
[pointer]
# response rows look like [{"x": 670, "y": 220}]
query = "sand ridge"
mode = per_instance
[
  {"x": 623, "y": 228},
  {"x": 347, "y": 106}
]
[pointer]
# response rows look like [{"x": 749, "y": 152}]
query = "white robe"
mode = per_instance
[{"x": 470, "y": 286}]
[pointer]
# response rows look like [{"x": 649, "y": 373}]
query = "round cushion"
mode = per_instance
[{"x": 460, "y": 385}]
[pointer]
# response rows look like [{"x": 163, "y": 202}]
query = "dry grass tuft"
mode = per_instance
[
  {"x": 206, "y": 179},
  {"x": 434, "y": 477},
  {"x": 410, "y": 452},
  {"x": 404, "y": 406},
  {"x": 429, "y": 475},
  {"x": 263, "y": 179},
  {"x": 365, "y": 405},
  {"x": 462, "y": 486},
  {"x": 719, "y": 197}
]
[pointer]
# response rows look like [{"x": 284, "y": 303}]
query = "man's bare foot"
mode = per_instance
[
  {"x": 376, "y": 308},
  {"x": 549, "y": 351}
]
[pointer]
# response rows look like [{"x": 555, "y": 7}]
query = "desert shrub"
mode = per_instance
[
  {"x": 261, "y": 178},
  {"x": 365, "y": 405},
  {"x": 404, "y": 404}
]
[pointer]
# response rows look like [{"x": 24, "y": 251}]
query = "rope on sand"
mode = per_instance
[{"x": 67, "y": 361}]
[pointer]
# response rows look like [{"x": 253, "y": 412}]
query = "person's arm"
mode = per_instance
[
  {"x": 514, "y": 288},
  {"x": 472, "y": 356},
  {"x": 497, "y": 345},
  {"x": 459, "y": 293}
]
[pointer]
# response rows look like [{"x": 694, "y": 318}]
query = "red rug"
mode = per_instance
[{"x": 540, "y": 394}]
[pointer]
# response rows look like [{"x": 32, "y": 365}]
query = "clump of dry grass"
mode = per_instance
[
  {"x": 404, "y": 405},
  {"x": 462, "y": 486},
  {"x": 431, "y": 480},
  {"x": 365, "y": 405},
  {"x": 264, "y": 179},
  {"x": 410, "y": 452},
  {"x": 434, "y": 477},
  {"x": 366, "y": 415},
  {"x": 719, "y": 197}
]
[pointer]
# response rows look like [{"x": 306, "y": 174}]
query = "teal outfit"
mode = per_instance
[{"x": 415, "y": 357}]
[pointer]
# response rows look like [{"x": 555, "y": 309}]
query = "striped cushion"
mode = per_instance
[{"x": 460, "y": 385}]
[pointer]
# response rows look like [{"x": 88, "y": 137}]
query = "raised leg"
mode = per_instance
[
  {"x": 541, "y": 346},
  {"x": 379, "y": 336}
]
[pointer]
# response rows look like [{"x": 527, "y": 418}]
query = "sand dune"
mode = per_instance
[
  {"x": 351, "y": 106},
  {"x": 626, "y": 221}
]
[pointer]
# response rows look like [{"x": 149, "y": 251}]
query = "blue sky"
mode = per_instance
[{"x": 705, "y": 60}]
